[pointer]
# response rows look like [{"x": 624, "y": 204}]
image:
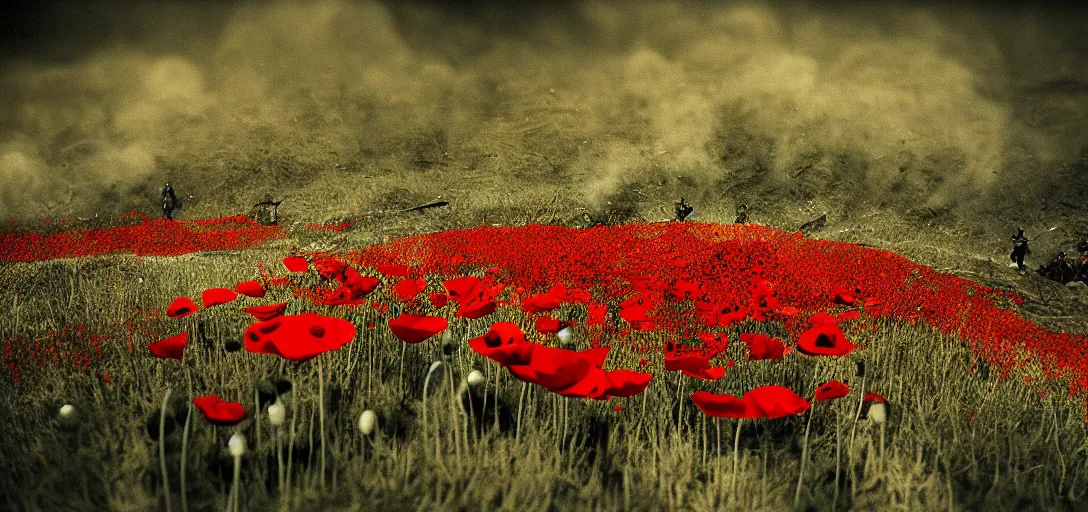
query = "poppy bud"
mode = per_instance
[
  {"x": 276, "y": 413},
  {"x": 475, "y": 379},
  {"x": 878, "y": 413},
  {"x": 859, "y": 368},
  {"x": 367, "y": 422},
  {"x": 565, "y": 335},
  {"x": 236, "y": 445},
  {"x": 67, "y": 416}
]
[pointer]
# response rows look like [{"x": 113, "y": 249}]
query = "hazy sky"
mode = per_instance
[{"x": 102, "y": 101}]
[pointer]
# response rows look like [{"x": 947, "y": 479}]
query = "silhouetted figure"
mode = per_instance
[
  {"x": 683, "y": 210},
  {"x": 587, "y": 220},
  {"x": 267, "y": 212},
  {"x": 1081, "y": 269},
  {"x": 742, "y": 214},
  {"x": 169, "y": 202},
  {"x": 1058, "y": 269},
  {"x": 1020, "y": 250}
]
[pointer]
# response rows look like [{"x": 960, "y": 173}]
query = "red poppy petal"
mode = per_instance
[
  {"x": 170, "y": 348},
  {"x": 219, "y": 412},
  {"x": 627, "y": 383},
  {"x": 830, "y": 390},
  {"x": 250, "y": 289},
  {"x": 217, "y": 296},
  {"x": 415, "y": 328},
  {"x": 296, "y": 264},
  {"x": 267, "y": 312},
  {"x": 873, "y": 397},
  {"x": 298, "y": 337},
  {"x": 181, "y": 307}
]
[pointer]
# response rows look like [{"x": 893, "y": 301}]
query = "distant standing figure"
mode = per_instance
[
  {"x": 742, "y": 214},
  {"x": 1020, "y": 250},
  {"x": 169, "y": 202},
  {"x": 683, "y": 210}
]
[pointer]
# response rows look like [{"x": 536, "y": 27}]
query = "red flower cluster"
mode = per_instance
[
  {"x": 151, "y": 237},
  {"x": 678, "y": 277},
  {"x": 561, "y": 371},
  {"x": 766, "y": 402}
]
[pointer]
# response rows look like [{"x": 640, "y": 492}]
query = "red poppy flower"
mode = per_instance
[
  {"x": 439, "y": 300},
  {"x": 217, "y": 296},
  {"x": 830, "y": 390},
  {"x": 296, "y": 264},
  {"x": 579, "y": 296},
  {"x": 618, "y": 408},
  {"x": 541, "y": 303},
  {"x": 267, "y": 312},
  {"x": 643, "y": 362},
  {"x": 170, "y": 348},
  {"x": 359, "y": 285},
  {"x": 761, "y": 346},
  {"x": 181, "y": 308},
  {"x": 298, "y": 337},
  {"x": 407, "y": 289},
  {"x": 684, "y": 290},
  {"x": 824, "y": 339},
  {"x": 219, "y": 412},
  {"x": 766, "y": 402},
  {"x": 568, "y": 373},
  {"x": 596, "y": 313},
  {"x": 476, "y": 309},
  {"x": 720, "y": 315},
  {"x": 504, "y": 343},
  {"x": 843, "y": 296},
  {"x": 847, "y": 316},
  {"x": 106, "y": 378},
  {"x": 329, "y": 268},
  {"x": 693, "y": 363},
  {"x": 462, "y": 287},
  {"x": 250, "y": 289},
  {"x": 416, "y": 328},
  {"x": 626, "y": 383},
  {"x": 549, "y": 325},
  {"x": 394, "y": 270},
  {"x": 873, "y": 397},
  {"x": 720, "y": 406}
]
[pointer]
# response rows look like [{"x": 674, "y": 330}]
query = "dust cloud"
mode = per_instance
[{"x": 926, "y": 104}]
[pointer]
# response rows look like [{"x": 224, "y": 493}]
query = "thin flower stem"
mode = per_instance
[{"x": 162, "y": 449}]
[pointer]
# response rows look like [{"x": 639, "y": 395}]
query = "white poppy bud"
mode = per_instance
[
  {"x": 276, "y": 413},
  {"x": 475, "y": 379},
  {"x": 447, "y": 337},
  {"x": 237, "y": 445},
  {"x": 67, "y": 411},
  {"x": 565, "y": 334},
  {"x": 878, "y": 413},
  {"x": 368, "y": 421}
]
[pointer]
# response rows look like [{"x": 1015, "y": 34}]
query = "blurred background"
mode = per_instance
[{"x": 899, "y": 121}]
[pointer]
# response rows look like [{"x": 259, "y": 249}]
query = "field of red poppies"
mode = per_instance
[{"x": 531, "y": 367}]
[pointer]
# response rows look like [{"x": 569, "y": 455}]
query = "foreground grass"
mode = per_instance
[{"x": 954, "y": 439}]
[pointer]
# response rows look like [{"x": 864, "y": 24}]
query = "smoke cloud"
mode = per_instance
[{"x": 910, "y": 104}]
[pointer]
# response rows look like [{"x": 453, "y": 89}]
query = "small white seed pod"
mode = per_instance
[
  {"x": 276, "y": 413},
  {"x": 368, "y": 421},
  {"x": 475, "y": 379},
  {"x": 67, "y": 411},
  {"x": 565, "y": 335},
  {"x": 878, "y": 413},
  {"x": 237, "y": 445}
]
